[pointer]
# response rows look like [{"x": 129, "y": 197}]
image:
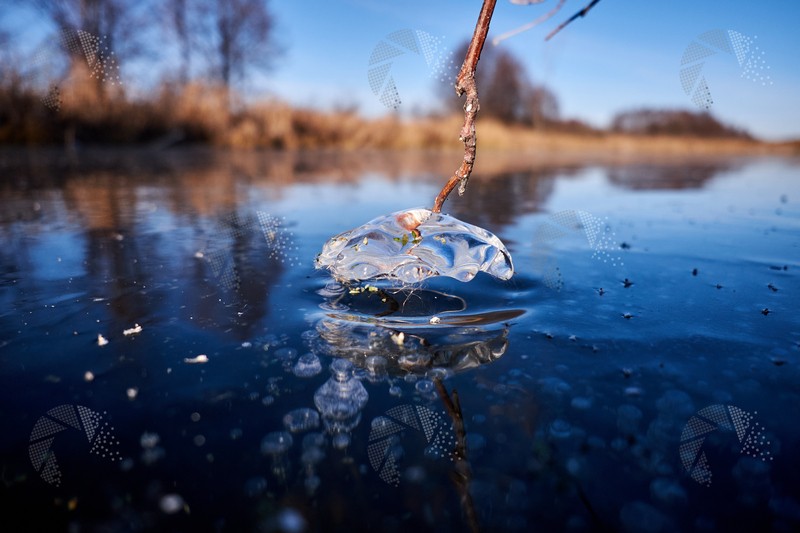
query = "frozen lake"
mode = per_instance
[{"x": 168, "y": 353}]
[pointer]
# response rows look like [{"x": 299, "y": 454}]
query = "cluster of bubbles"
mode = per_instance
[
  {"x": 151, "y": 451},
  {"x": 597, "y": 232},
  {"x": 437, "y": 58},
  {"x": 749, "y": 57},
  {"x": 340, "y": 400}
]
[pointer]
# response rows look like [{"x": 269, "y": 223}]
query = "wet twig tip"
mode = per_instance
[{"x": 579, "y": 14}]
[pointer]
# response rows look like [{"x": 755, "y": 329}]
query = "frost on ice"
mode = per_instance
[{"x": 413, "y": 245}]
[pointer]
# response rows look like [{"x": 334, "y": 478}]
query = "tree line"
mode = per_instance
[{"x": 208, "y": 48}]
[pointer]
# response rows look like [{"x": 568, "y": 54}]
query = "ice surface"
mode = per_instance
[{"x": 413, "y": 245}]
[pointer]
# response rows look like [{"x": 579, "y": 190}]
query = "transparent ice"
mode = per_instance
[{"x": 413, "y": 245}]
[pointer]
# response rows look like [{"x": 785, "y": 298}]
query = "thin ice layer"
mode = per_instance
[{"x": 413, "y": 245}]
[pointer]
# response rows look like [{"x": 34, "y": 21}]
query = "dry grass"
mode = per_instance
[{"x": 94, "y": 113}]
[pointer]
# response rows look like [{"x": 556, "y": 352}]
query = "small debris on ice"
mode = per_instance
[
  {"x": 101, "y": 341},
  {"x": 130, "y": 331},
  {"x": 202, "y": 358}
]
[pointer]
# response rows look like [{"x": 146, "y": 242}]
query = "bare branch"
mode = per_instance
[
  {"x": 581, "y": 13},
  {"x": 462, "y": 476},
  {"x": 544, "y": 18},
  {"x": 465, "y": 84}
]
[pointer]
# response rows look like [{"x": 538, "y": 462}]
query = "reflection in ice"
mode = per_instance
[
  {"x": 398, "y": 339},
  {"x": 424, "y": 350},
  {"x": 413, "y": 245}
]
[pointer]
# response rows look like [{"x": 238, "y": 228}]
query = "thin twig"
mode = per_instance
[
  {"x": 581, "y": 13},
  {"x": 465, "y": 84},
  {"x": 544, "y": 18},
  {"x": 462, "y": 474}
]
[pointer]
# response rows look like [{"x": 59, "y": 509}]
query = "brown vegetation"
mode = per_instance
[
  {"x": 199, "y": 114},
  {"x": 203, "y": 113}
]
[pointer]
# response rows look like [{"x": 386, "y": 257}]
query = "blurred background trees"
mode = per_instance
[
  {"x": 673, "y": 122},
  {"x": 506, "y": 91},
  {"x": 193, "y": 61}
]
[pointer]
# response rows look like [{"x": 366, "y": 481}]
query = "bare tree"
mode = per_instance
[
  {"x": 673, "y": 122},
  {"x": 507, "y": 92},
  {"x": 178, "y": 16},
  {"x": 118, "y": 22},
  {"x": 466, "y": 85},
  {"x": 240, "y": 36}
]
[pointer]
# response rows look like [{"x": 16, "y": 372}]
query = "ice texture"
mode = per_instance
[{"x": 413, "y": 245}]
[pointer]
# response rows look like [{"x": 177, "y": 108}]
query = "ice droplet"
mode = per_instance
[{"x": 413, "y": 245}]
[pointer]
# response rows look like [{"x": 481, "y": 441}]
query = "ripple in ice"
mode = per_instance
[
  {"x": 302, "y": 419},
  {"x": 413, "y": 245}
]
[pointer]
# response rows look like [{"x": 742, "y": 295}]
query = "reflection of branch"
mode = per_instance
[
  {"x": 581, "y": 13},
  {"x": 544, "y": 18},
  {"x": 463, "y": 471},
  {"x": 465, "y": 84}
]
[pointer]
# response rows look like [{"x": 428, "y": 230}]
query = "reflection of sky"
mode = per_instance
[{"x": 622, "y": 55}]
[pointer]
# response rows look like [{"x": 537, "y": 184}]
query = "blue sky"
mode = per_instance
[{"x": 624, "y": 54}]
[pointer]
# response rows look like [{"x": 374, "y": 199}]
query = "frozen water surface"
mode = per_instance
[
  {"x": 576, "y": 418},
  {"x": 413, "y": 245}
]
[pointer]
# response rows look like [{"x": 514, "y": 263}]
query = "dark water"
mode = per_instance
[{"x": 652, "y": 323}]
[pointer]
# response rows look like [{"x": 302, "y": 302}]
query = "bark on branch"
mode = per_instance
[
  {"x": 465, "y": 84},
  {"x": 579, "y": 14}
]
